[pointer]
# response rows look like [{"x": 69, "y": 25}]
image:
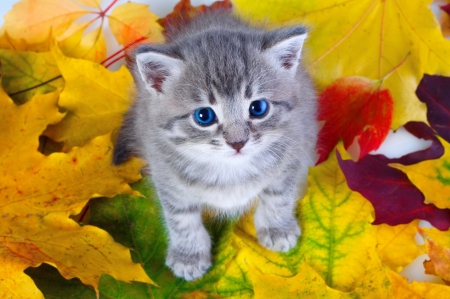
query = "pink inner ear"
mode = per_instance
[
  {"x": 157, "y": 83},
  {"x": 156, "y": 75},
  {"x": 287, "y": 60}
]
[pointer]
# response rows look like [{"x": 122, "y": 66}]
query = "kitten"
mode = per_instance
[{"x": 224, "y": 114}]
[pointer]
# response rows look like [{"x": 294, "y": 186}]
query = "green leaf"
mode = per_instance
[
  {"x": 26, "y": 73},
  {"x": 54, "y": 286},
  {"x": 136, "y": 222}
]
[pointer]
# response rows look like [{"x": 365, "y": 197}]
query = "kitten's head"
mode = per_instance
[{"x": 227, "y": 96}]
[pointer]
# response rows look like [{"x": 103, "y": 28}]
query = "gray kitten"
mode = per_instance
[{"x": 224, "y": 115}]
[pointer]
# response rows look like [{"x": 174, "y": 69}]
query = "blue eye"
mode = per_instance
[
  {"x": 204, "y": 116},
  {"x": 259, "y": 108}
]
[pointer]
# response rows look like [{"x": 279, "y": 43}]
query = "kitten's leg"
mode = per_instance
[
  {"x": 189, "y": 253},
  {"x": 275, "y": 222}
]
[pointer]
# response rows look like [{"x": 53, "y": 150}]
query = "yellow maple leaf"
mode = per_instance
[
  {"x": 396, "y": 41},
  {"x": 396, "y": 244},
  {"x": 432, "y": 177},
  {"x": 416, "y": 290},
  {"x": 76, "y": 43},
  {"x": 95, "y": 100},
  {"x": 38, "y": 193},
  {"x": 308, "y": 284},
  {"x": 9, "y": 42}
]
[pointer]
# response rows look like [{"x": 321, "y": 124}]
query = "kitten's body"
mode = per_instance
[{"x": 222, "y": 63}]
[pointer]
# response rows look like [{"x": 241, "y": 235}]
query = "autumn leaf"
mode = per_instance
[
  {"x": 438, "y": 248},
  {"x": 183, "y": 12},
  {"x": 393, "y": 41},
  {"x": 374, "y": 283},
  {"x": 434, "y": 91},
  {"x": 95, "y": 100},
  {"x": 432, "y": 178},
  {"x": 402, "y": 289},
  {"x": 11, "y": 43},
  {"x": 26, "y": 73},
  {"x": 396, "y": 245},
  {"x": 346, "y": 98},
  {"x": 130, "y": 22},
  {"x": 445, "y": 20},
  {"x": 39, "y": 192}
]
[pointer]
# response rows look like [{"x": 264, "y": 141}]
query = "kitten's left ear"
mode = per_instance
[{"x": 284, "y": 46}]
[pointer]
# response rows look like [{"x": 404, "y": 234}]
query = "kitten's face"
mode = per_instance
[{"x": 229, "y": 128}]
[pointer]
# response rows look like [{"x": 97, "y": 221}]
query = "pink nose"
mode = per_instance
[{"x": 237, "y": 145}]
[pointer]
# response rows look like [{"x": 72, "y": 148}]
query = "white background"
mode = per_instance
[{"x": 396, "y": 144}]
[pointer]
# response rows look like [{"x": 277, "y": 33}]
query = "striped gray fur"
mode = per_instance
[{"x": 221, "y": 62}]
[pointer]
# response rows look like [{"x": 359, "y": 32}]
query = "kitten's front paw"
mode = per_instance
[
  {"x": 188, "y": 265},
  {"x": 279, "y": 238}
]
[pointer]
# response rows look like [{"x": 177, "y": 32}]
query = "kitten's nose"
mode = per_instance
[{"x": 237, "y": 145}]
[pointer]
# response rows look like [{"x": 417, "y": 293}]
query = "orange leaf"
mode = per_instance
[
  {"x": 130, "y": 22},
  {"x": 354, "y": 108},
  {"x": 438, "y": 249},
  {"x": 34, "y": 20}
]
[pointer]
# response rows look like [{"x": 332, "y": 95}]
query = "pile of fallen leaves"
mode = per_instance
[{"x": 379, "y": 64}]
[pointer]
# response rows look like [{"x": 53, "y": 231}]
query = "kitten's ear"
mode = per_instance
[
  {"x": 284, "y": 46},
  {"x": 157, "y": 65}
]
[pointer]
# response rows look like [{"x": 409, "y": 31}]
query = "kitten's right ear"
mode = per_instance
[
  {"x": 284, "y": 46},
  {"x": 156, "y": 66}
]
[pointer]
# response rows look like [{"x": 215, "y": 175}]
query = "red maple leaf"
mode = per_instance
[{"x": 354, "y": 107}]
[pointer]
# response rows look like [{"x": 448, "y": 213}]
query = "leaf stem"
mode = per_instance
[
  {"x": 83, "y": 213},
  {"x": 121, "y": 50},
  {"x": 396, "y": 67},
  {"x": 115, "y": 60}
]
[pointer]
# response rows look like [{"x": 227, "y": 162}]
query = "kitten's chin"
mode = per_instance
[{"x": 237, "y": 156}]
